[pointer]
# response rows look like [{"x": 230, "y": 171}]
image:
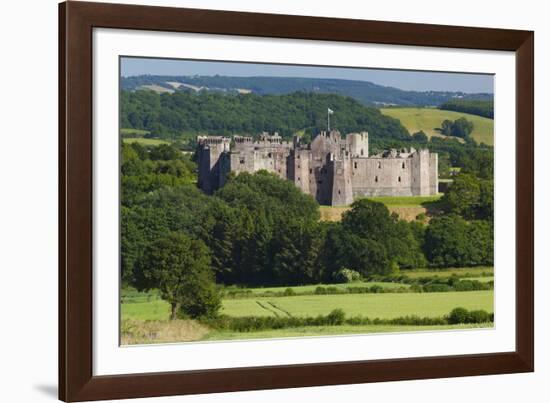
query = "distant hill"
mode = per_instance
[
  {"x": 363, "y": 91},
  {"x": 183, "y": 115},
  {"x": 429, "y": 119}
]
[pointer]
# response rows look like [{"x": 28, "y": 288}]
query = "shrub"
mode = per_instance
[
  {"x": 458, "y": 315},
  {"x": 346, "y": 276},
  {"x": 376, "y": 289},
  {"x": 289, "y": 292},
  {"x": 336, "y": 317},
  {"x": 436, "y": 287},
  {"x": 479, "y": 316},
  {"x": 320, "y": 290}
]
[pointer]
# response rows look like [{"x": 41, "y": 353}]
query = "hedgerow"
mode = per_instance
[{"x": 338, "y": 317}]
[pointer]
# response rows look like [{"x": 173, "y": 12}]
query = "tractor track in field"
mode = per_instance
[
  {"x": 280, "y": 309},
  {"x": 267, "y": 309}
]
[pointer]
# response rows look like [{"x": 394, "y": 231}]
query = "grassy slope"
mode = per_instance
[
  {"x": 428, "y": 119},
  {"x": 406, "y": 207}
]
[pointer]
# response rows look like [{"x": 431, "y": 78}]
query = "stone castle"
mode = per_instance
[{"x": 332, "y": 169}]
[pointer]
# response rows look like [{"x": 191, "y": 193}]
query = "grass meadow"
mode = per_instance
[
  {"x": 429, "y": 119},
  {"x": 145, "y": 316}
]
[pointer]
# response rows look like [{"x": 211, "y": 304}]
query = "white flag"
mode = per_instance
[{"x": 330, "y": 111}]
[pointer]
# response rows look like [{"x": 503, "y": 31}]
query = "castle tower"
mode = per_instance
[
  {"x": 358, "y": 144},
  {"x": 420, "y": 185},
  {"x": 211, "y": 162},
  {"x": 342, "y": 192}
]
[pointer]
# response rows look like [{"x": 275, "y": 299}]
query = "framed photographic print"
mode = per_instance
[{"x": 253, "y": 201}]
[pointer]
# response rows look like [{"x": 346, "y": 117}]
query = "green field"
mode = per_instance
[
  {"x": 383, "y": 306},
  {"x": 144, "y": 141},
  {"x": 429, "y": 119},
  {"x": 145, "y": 316}
]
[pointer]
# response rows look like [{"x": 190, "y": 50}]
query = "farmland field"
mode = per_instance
[
  {"x": 428, "y": 119},
  {"x": 144, "y": 141},
  {"x": 383, "y": 306},
  {"x": 145, "y": 317}
]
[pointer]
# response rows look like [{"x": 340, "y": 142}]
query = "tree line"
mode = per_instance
[
  {"x": 262, "y": 230},
  {"x": 475, "y": 107}
]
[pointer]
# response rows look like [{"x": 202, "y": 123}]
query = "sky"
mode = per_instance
[{"x": 402, "y": 79}]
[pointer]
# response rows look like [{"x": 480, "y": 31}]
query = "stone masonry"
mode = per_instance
[{"x": 332, "y": 169}]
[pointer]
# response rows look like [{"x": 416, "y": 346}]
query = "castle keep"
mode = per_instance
[{"x": 332, "y": 169}]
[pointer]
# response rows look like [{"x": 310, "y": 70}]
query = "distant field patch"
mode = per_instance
[
  {"x": 156, "y": 88},
  {"x": 144, "y": 141},
  {"x": 429, "y": 119},
  {"x": 487, "y": 272}
]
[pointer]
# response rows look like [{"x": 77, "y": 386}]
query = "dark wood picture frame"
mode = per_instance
[{"x": 76, "y": 22}]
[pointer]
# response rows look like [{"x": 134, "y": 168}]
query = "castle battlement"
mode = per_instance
[{"x": 332, "y": 168}]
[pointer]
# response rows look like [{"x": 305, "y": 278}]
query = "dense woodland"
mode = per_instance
[
  {"x": 183, "y": 115},
  {"x": 475, "y": 107}
]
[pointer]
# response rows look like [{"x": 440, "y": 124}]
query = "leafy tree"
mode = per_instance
[
  {"x": 463, "y": 196},
  {"x": 179, "y": 267},
  {"x": 368, "y": 219},
  {"x": 446, "y": 242},
  {"x": 459, "y": 128},
  {"x": 486, "y": 200},
  {"x": 420, "y": 137},
  {"x": 451, "y": 241}
]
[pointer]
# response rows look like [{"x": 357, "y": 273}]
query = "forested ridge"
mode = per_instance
[
  {"x": 365, "y": 92},
  {"x": 183, "y": 115}
]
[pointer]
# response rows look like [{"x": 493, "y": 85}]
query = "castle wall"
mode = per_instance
[
  {"x": 381, "y": 176},
  {"x": 248, "y": 156}
]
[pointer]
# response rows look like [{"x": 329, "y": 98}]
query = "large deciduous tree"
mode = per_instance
[{"x": 179, "y": 267}]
